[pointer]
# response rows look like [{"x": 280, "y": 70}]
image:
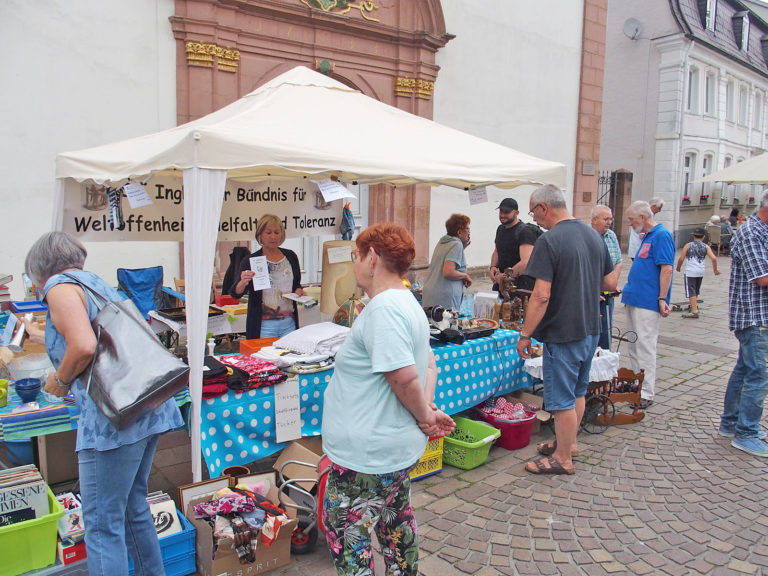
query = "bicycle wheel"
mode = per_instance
[{"x": 599, "y": 413}]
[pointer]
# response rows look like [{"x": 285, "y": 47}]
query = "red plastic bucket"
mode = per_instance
[{"x": 515, "y": 434}]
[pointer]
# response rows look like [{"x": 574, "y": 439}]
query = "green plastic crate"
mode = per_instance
[
  {"x": 30, "y": 544},
  {"x": 468, "y": 445}
]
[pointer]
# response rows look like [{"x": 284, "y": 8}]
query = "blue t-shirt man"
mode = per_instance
[{"x": 643, "y": 285}]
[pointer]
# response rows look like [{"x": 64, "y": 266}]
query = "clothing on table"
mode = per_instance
[
  {"x": 94, "y": 430},
  {"x": 260, "y": 372},
  {"x": 256, "y": 297},
  {"x": 694, "y": 259},
  {"x": 365, "y": 426},
  {"x": 568, "y": 251},
  {"x": 438, "y": 290},
  {"x": 508, "y": 242}
]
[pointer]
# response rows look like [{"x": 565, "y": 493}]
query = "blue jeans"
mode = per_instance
[
  {"x": 748, "y": 384},
  {"x": 278, "y": 328},
  {"x": 113, "y": 486},
  {"x": 606, "y": 323}
]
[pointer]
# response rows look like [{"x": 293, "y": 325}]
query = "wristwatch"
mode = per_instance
[{"x": 524, "y": 337}]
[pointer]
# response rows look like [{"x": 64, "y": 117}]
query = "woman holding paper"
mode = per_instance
[
  {"x": 269, "y": 313},
  {"x": 378, "y": 412}
]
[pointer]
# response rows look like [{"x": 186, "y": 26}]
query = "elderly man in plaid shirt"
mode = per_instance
[
  {"x": 748, "y": 313},
  {"x": 602, "y": 220}
]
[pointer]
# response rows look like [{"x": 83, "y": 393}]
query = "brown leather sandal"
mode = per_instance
[{"x": 548, "y": 465}]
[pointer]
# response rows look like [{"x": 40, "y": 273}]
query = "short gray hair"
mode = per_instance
[
  {"x": 656, "y": 201},
  {"x": 764, "y": 198},
  {"x": 597, "y": 208},
  {"x": 550, "y": 195},
  {"x": 641, "y": 208},
  {"x": 51, "y": 253}
]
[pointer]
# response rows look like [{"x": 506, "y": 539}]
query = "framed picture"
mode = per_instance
[
  {"x": 191, "y": 491},
  {"x": 268, "y": 478}
]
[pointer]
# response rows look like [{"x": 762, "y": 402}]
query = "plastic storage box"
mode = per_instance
[
  {"x": 248, "y": 347},
  {"x": 178, "y": 550},
  {"x": 432, "y": 460},
  {"x": 515, "y": 434},
  {"x": 468, "y": 445},
  {"x": 31, "y": 544}
]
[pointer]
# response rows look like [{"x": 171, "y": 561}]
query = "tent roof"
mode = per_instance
[
  {"x": 752, "y": 171},
  {"x": 305, "y": 123}
]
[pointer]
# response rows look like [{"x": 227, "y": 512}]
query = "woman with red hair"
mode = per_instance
[{"x": 378, "y": 412}]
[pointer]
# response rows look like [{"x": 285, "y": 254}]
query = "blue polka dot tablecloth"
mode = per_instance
[{"x": 238, "y": 428}]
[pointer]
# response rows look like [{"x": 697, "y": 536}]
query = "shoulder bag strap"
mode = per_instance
[{"x": 98, "y": 299}]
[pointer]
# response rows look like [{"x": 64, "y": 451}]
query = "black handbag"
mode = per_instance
[{"x": 131, "y": 372}]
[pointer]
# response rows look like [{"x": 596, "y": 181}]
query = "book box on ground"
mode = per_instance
[{"x": 224, "y": 561}]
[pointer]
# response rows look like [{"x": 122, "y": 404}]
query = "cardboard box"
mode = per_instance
[
  {"x": 70, "y": 552},
  {"x": 225, "y": 562},
  {"x": 542, "y": 416},
  {"x": 308, "y": 450}
]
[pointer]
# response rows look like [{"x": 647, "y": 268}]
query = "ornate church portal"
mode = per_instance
[{"x": 384, "y": 48}]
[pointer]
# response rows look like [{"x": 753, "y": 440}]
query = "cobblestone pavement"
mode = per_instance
[{"x": 663, "y": 496}]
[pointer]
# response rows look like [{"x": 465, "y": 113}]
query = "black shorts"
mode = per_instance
[{"x": 692, "y": 286}]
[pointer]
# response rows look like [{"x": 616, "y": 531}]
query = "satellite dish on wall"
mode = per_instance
[{"x": 632, "y": 28}]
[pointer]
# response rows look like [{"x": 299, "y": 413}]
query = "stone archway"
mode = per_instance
[{"x": 386, "y": 49}]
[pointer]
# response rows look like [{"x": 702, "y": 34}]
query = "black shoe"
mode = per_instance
[{"x": 644, "y": 404}]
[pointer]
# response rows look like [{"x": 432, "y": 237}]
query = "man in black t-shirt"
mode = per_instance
[{"x": 513, "y": 246}]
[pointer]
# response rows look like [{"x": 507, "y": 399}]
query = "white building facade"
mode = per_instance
[{"x": 685, "y": 95}]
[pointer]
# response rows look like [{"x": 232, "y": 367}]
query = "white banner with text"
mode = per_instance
[{"x": 97, "y": 213}]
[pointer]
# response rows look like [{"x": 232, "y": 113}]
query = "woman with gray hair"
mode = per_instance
[{"x": 114, "y": 464}]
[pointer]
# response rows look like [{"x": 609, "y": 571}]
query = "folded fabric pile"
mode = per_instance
[
  {"x": 500, "y": 408},
  {"x": 260, "y": 372},
  {"x": 322, "y": 338},
  {"x": 215, "y": 375}
]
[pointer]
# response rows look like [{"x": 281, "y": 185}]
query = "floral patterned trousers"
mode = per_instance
[{"x": 357, "y": 504}]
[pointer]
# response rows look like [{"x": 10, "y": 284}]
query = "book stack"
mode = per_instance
[
  {"x": 5, "y": 290},
  {"x": 23, "y": 495},
  {"x": 163, "y": 510}
]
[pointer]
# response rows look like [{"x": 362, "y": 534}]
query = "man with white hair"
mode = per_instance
[
  {"x": 647, "y": 292},
  {"x": 602, "y": 219},
  {"x": 656, "y": 204},
  {"x": 726, "y": 232}
]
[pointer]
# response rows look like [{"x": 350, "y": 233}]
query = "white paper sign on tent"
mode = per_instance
[
  {"x": 287, "y": 410},
  {"x": 261, "y": 270},
  {"x": 333, "y": 190},
  {"x": 339, "y": 254},
  {"x": 137, "y": 195},
  {"x": 478, "y": 195}
]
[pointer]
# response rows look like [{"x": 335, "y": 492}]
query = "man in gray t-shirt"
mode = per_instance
[{"x": 571, "y": 265}]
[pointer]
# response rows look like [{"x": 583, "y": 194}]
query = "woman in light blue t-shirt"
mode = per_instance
[{"x": 378, "y": 412}]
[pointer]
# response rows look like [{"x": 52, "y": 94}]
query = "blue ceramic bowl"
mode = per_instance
[{"x": 28, "y": 388}]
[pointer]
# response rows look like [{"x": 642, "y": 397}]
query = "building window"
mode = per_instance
[
  {"x": 710, "y": 86},
  {"x": 706, "y": 170},
  {"x": 710, "y": 16},
  {"x": 743, "y": 104},
  {"x": 745, "y": 32},
  {"x": 730, "y": 101},
  {"x": 692, "y": 104},
  {"x": 757, "y": 114},
  {"x": 688, "y": 167}
]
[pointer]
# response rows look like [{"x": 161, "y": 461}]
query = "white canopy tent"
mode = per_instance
[
  {"x": 302, "y": 123},
  {"x": 752, "y": 171}
]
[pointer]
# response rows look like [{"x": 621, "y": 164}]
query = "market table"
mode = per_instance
[
  {"x": 50, "y": 418},
  {"x": 238, "y": 428}
]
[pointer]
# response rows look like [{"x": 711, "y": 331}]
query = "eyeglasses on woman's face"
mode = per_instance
[{"x": 354, "y": 254}]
